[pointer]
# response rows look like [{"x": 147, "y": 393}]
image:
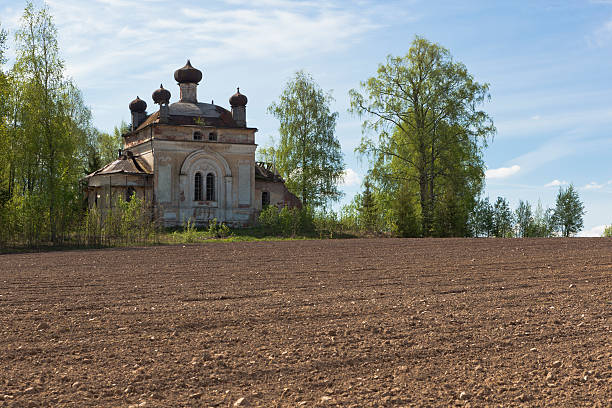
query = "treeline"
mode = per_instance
[
  {"x": 367, "y": 215},
  {"x": 424, "y": 135},
  {"x": 498, "y": 220},
  {"x": 47, "y": 141}
]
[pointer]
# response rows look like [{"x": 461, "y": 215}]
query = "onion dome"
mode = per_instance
[
  {"x": 138, "y": 105},
  {"x": 238, "y": 99},
  {"x": 188, "y": 74},
  {"x": 161, "y": 96}
]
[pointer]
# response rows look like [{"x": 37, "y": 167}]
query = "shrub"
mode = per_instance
[
  {"x": 287, "y": 222},
  {"x": 269, "y": 220},
  {"x": 217, "y": 230},
  {"x": 327, "y": 224},
  {"x": 190, "y": 233},
  {"x": 126, "y": 222}
]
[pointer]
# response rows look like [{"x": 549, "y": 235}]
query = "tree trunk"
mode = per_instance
[
  {"x": 424, "y": 204},
  {"x": 432, "y": 173}
]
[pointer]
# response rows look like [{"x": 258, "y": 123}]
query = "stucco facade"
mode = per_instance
[{"x": 191, "y": 161}]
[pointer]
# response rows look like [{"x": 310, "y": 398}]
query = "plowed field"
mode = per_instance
[{"x": 388, "y": 322}]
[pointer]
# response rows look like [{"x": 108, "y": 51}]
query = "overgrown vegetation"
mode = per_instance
[
  {"x": 126, "y": 223},
  {"x": 47, "y": 141}
]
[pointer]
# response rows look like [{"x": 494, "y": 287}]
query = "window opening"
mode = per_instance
[
  {"x": 129, "y": 193},
  {"x": 265, "y": 199},
  {"x": 212, "y": 136},
  {"x": 197, "y": 135},
  {"x": 210, "y": 187},
  {"x": 197, "y": 189}
]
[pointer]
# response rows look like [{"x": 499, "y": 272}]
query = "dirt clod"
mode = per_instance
[
  {"x": 241, "y": 402},
  {"x": 42, "y": 326}
]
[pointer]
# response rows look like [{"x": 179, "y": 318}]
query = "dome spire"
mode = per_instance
[
  {"x": 161, "y": 96},
  {"x": 138, "y": 105},
  {"x": 188, "y": 74},
  {"x": 188, "y": 78},
  {"x": 238, "y": 102},
  {"x": 238, "y": 99}
]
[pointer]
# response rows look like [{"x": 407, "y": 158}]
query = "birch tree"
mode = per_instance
[
  {"x": 425, "y": 134},
  {"x": 568, "y": 212},
  {"x": 308, "y": 155},
  {"x": 50, "y": 126}
]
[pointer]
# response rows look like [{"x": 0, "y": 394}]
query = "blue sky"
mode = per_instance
[{"x": 548, "y": 64}]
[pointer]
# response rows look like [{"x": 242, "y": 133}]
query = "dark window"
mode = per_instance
[
  {"x": 265, "y": 199},
  {"x": 212, "y": 136},
  {"x": 129, "y": 193},
  {"x": 210, "y": 187},
  {"x": 197, "y": 135},
  {"x": 197, "y": 188}
]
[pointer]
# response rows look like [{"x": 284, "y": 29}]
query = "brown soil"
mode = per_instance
[{"x": 389, "y": 322}]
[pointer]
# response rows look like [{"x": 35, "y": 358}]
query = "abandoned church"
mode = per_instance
[{"x": 191, "y": 161}]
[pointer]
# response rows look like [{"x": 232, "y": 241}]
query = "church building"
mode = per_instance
[{"x": 191, "y": 161}]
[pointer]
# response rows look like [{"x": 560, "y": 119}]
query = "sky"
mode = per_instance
[{"x": 547, "y": 62}]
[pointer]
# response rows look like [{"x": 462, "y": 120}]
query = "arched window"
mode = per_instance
[
  {"x": 210, "y": 187},
  {"x": 197, "y": 135},
  {"x": 197, "y": 188},
  {"x": 129, "y": 193}
]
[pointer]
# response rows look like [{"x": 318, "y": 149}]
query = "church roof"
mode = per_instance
[
  {"x": 187, "y": 113},
  {"x": 266, "y": 171},
  {"x": 126, "y": 164}
]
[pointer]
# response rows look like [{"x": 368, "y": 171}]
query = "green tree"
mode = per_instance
[
  {"x": 4, "y": 124},
  {"x": 47, "y": 136},
  {"x": 104, "y": 147},
  {"x": 368, "y": 211},
  {"x": 543, "y": 222},
  {"x": 524, "y": 219},
  {"x": 502, "y": 218},
  {"x": 308, "y": 156},
  {"x": 568, "y": 212},
  {"x": 482, "y": 219},
  {"x": 426, "y": 134},
  {"x": 607, "y": 231}
]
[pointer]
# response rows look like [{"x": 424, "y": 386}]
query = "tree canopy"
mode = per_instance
[
  {"x": 568, "y": 212},
  {"x": 45, "y": 130},
  {"x": 425, "y": 135},
  {"x": 308, "y": 155}
]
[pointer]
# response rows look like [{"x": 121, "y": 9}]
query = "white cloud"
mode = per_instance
[
  {"x": 350, "y": 178},
  {"x": 155, "y": 33},
  {"x": 562, "y": 146},
  {"x": 556, "y": 183},
  {"x": 502, "y": 172},
  {"x": 596, "y": 231},
  {"x": 601, "y": 36},
  {"x": 562, "y": 121},
  {"x": 593, "y": 186}
]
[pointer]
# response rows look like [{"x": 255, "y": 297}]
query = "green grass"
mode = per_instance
[{"x": 176, "y": 236}]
